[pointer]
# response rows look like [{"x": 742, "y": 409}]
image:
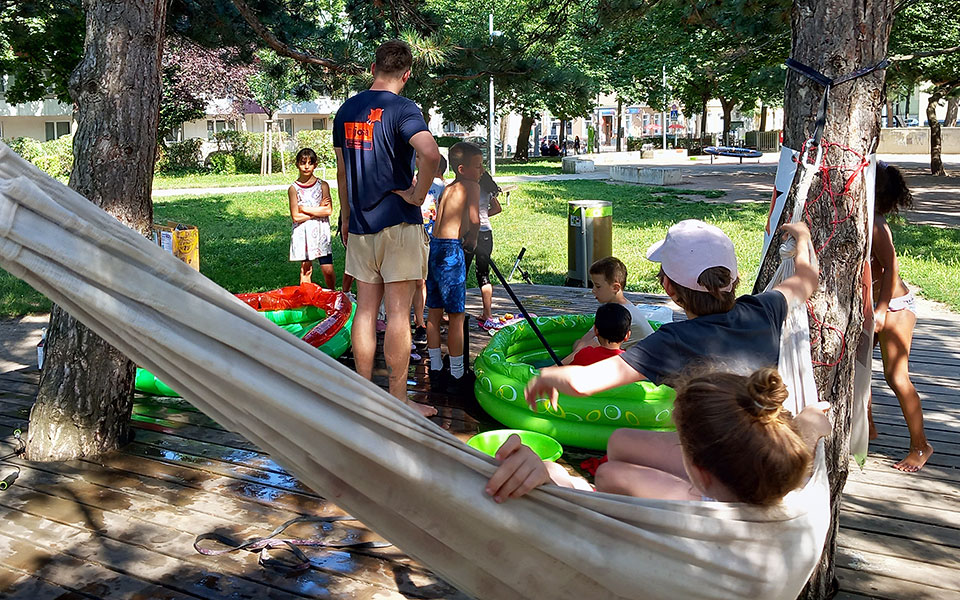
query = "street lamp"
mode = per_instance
[{"x": 491, "y": 146}]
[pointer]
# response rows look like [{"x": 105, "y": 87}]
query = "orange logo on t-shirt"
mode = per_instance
[{"x": 359, "y": 136}]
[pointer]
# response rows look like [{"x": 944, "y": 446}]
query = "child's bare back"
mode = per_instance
[{"x": 458, "y": 212}]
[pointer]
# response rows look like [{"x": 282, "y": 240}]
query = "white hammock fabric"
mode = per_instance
[{"x": 406, "y": 478}]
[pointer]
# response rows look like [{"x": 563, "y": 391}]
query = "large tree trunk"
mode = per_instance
[
  {"x": 763, "y": 117},
  {"x": 619, "y": 121},
  {"x": 936, "y": 136},
  {"x": 523, "y": 138},
  {"x": 703, "y": 118},
  {"x": 86, "y": 387},
  {"x": 504, "y": 122},
  {"x": 727, "y": 117},
  {"x": 822, "y": 40},
  {"x": 952, "y": 104}
]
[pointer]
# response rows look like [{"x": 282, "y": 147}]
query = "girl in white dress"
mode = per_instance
[{"x": 310, "y": 208}]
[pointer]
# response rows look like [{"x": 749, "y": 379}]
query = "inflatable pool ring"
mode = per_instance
[
  {"x": 734, "y": 151},
  {"x": 321, "y": 318},
  {"x": 510, "y": 361}
]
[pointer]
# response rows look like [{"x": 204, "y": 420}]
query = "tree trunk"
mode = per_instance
[
  {"x": 504, "y": 122},
  {"x": 889, "y": 105},
  {"x": 703, "y": 119},
  {"x": 562, "y": 137},
  {"x": 822, "y": 40},
  {"x": 763, "y": 117},
  {"x": 523, "y": 138},
  {"x": 86, "y": 387},
  {"x": 952, "y": 104},
  {"x": 727, "y": 117},
  {"x": 619, "y": 121},
  {"x": 936, "y": 136}
]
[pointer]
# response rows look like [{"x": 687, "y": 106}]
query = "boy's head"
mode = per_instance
[
  {"x": 466, "y": 161},
  {"x": 306, "y": 155},
  {"x": 612, "y": 324},
  {"x": 441, "y": 167},
  {"x": 698, "y": 267},
  {"x": 393, "y": 61},
  {"x": 608, "y": 277},
  {"x": 488, "y": 185}
]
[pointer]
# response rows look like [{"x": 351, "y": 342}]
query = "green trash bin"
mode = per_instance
[{"x": 589, "y": 238}]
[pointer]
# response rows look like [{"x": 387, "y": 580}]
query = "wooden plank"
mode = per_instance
[
  {"x": 852, "y": 521},
  {"x": 881, "y": 587},
  {"x": 910, "y": 513},
  {"x": 18, "y": 585},
  {"x": 889, "y": 545},
  {"x": 901, "y": 573},
  {"x": 893, "y": 478}
]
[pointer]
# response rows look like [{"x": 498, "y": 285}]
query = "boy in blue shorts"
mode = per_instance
[{"x": 456, "y": 226}]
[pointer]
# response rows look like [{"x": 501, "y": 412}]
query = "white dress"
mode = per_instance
[{"x": 311, "y": 239}]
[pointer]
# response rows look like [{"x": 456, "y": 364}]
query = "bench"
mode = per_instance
[
  {"x": 575, "y": 164},
  {"x": 646, "y": 175}
]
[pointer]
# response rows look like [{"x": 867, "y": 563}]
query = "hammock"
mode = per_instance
[{"x": 406, "y": 478}]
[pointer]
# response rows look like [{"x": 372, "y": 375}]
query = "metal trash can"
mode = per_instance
[{"x": 589, "y": 238}]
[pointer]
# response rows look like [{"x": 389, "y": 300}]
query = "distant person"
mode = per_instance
[
  {"x": 429, "y": 211},
  {"x": 489, "y": 206},
  {"x": 376, "y": 134},
  {"x": 895, "y": 314},
  {"x": 544, "y": 148},
  {"x": 554, "y": 148},
  {"x": 611, "y": 327},
  {"x": 458, "y": 221},
  {"x": 310, "y": 207},
  {"x": 576, "y": 144}
]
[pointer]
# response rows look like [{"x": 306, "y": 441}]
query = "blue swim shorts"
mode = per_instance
[{"x": 446, "y": 276}]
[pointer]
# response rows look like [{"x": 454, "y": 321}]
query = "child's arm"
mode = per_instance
[
  {"x": 472, "y": 210},
  {"x": 342, "y": 196},
  {"x": 886, "y": 256},
  {"x": 803, "y": 283},
  {"x": 495, "y": 207},
  {"x": 296, "y": 211},
  {"x": 579, "y": 381}
]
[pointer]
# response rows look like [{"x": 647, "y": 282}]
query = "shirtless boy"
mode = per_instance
[{"x": 456, "y": 226}]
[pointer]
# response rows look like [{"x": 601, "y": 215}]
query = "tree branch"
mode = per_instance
[
  {"x": 284, "y": 50},
  {"x": 450, "y": 77},
  {"x": 925, "y": 54}
]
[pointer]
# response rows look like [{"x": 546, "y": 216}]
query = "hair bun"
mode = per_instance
[{"x": 767, "y": 393}]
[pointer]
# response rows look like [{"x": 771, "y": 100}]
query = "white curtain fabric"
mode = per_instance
[{"x": 406, "y": 478}]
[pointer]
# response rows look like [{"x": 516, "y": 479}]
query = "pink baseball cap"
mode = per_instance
[{"x": 690, "y": 248}]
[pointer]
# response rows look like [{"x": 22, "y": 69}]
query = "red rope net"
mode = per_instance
[{"x": 840, "y": 167}]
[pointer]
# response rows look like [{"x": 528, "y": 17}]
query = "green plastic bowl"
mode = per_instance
[{"x": 489, "y": 442}]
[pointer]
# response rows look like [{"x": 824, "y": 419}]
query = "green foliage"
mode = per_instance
[
  {"x": 221, "y": 162},
  {"x": 54, "y": 157},
  {"x": 445, "y": 141},
  {"x": 321, "y": 140},
  {"x": 180, "y": 157}
]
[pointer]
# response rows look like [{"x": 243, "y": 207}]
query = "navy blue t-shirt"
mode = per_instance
[
  {"x": 374, "y": 129},
  {"x": 742, "y": 340}
]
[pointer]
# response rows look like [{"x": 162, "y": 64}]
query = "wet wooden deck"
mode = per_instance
[{"x": 123, "y": 526}]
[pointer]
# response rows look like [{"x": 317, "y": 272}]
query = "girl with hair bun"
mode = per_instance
[
  {"x": 738, "y": 444},
  {"x": 895, "y": 314}
]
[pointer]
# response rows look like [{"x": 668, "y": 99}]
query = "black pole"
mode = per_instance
[{"x": 524, "y": 312}]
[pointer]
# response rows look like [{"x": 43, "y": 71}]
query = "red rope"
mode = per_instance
[{"x": 832, "y": 169}]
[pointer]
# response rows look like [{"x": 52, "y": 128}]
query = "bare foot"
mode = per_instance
[
  {"x": 424, "y": 409},
  {"x": 915, "y": 460}
]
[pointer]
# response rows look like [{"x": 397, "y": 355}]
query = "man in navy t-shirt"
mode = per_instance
[{"x": 376, "y": 135}]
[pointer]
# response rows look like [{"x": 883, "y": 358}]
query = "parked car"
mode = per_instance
[
  {"x": 481, "y": 141},
  {"x": 911, "y": 122}
]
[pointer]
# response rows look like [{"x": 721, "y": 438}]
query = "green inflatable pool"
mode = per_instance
[
  {"x": 512, "y": 358},
  {"x": 321, "y": 318}
]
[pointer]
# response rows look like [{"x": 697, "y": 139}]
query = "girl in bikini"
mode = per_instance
[{"x": 895, "y": 314}]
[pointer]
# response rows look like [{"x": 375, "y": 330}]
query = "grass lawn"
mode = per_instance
[{"x": 244, "y": 239}]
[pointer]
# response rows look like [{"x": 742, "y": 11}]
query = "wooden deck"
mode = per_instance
[{"x": 123, "y": 526}]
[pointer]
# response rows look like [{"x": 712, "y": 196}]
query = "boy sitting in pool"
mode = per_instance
[
  {"x": 611, "y": 327},
  {"x": 608, "y": 277}
]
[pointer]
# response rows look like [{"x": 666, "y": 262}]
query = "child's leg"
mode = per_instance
[
  {"x": 484, "y": 249},
  {"x": 434, "y": 316},
  {"x": 455, "y": 343},
  {"x": 419, "y": 300},
  {"x": 643, "y": 482},
  {"x": 656, "y": 449},
  {"x": 486, "y": 296},
  {"x": 306, "y": 271},
  {"x": 895, "y": 340},
  {"x": 347, "y": 282},
  {"x": 329, "y": 277}
]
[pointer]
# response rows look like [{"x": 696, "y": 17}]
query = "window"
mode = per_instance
[
  {"x": 569, "y": 128},
  {"x": 3, "y": 83},
  {"x": 55, "y": 129},
  {"x": 218, "y": 125},
  {"x": 656, "y": 118},
  {"x": 319, "y": 124},
  {"x": 646, "y": 120},
  {"x": 287, "y": 126}
]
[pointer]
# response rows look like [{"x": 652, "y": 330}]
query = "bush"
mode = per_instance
[
  {"x": 55, "y": 157},
  {"x": 181, "y": 157},
  {"x": 221, "y": 162},
  {"x": 321, "y": 140},
  {"x": 445, "y": 141}
]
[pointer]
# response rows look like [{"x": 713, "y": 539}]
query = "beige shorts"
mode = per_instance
[{"x": 397, "y": 253}]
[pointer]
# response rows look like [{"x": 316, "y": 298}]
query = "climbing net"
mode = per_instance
[{"x": 840, "y": 167}]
